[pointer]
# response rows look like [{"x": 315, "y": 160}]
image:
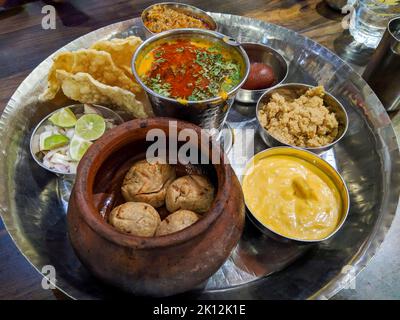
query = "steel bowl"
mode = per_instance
[
  {"x": 76, "y": 109},
  {"x": 183, "y": 8},
  {"x": 293, "y": 91},
  {"x": 261, "y": 53},
  {"x": 208, "y": 114},
  {"x": 316, "y": 161}
]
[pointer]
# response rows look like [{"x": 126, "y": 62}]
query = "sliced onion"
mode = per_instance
[{"x": 88, "y": 109}]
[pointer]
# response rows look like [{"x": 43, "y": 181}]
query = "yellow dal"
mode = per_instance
[{"x": 292, "y": 197}]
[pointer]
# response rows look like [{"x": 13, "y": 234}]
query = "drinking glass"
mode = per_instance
[
  {"x": 383, "y": 70},
  {"x": 369, "y": 19}
]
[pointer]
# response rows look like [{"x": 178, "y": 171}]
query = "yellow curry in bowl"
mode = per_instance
[{"x": 295, "y": 194}]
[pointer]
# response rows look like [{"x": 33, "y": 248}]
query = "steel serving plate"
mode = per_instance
[
  {"x": 367, "y": 157},
  {"x": 258, "y": 52}
]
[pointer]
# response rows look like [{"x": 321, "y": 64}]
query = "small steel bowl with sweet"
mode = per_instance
[{"x": 268, "y": 68}]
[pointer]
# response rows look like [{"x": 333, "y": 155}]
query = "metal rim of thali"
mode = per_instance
[{"x": 365, "y": 252}]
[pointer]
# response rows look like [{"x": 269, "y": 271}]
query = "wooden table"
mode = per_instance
[{"x": 24, "y": 44}]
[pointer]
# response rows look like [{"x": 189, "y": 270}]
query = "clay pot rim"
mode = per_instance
[{"x": 96, "y": 155}]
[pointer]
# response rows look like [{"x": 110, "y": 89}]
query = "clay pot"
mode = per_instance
[{"x": 156, "y": 266}]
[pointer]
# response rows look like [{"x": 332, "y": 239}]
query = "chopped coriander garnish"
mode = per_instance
[
  {"x": 158, "y": 53},
  {"x": 158, "y": 87},
  {"x": 160, "y": 60}
]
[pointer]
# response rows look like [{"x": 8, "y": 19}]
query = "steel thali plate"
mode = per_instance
[{"x": 368, "y": 159}]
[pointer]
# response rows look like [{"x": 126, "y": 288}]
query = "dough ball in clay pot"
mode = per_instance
[
  {"x": 176, "y": 221},
  {"x": 135, "y": 218},
  {"x": 148, "y": 182},
  {"x": 193, "y": 192}
]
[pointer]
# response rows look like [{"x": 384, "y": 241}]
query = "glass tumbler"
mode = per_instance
[{"x": 370, "y": 18}]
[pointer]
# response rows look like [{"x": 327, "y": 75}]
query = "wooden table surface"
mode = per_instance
[{"x": 24, "y": 44}]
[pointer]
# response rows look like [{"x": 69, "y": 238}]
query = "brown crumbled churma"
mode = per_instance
[
  {"x": 160, "y": 18},
  {"x": 302, "y": 122}
]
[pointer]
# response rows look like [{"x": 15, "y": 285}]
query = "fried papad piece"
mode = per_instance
[
  {"x": 121, "y": 51},
  {"x": 98, "y": 64},
  {"x": 83, "y": 88},
  {"x": 63, "y": 61}
]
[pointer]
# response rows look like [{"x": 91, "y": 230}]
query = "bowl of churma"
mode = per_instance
[
  {"x": 170, "y": 15},
  {"x": 302, "y": 116}
]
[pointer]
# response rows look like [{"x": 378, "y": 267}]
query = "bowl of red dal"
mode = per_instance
[{"x": 191, "y": 74}]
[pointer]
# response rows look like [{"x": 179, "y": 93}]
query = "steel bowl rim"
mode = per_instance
[
  {"x": 390, "y": 29},
  {"x": 312, "y": 149},
  {"x": 176, "y": 4},
  {"x": 304, "y": 241},
  {"x": 41, "y": 122},
  {"x": 275, "y": 52},
  {"x": 209, "y": 33}
]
